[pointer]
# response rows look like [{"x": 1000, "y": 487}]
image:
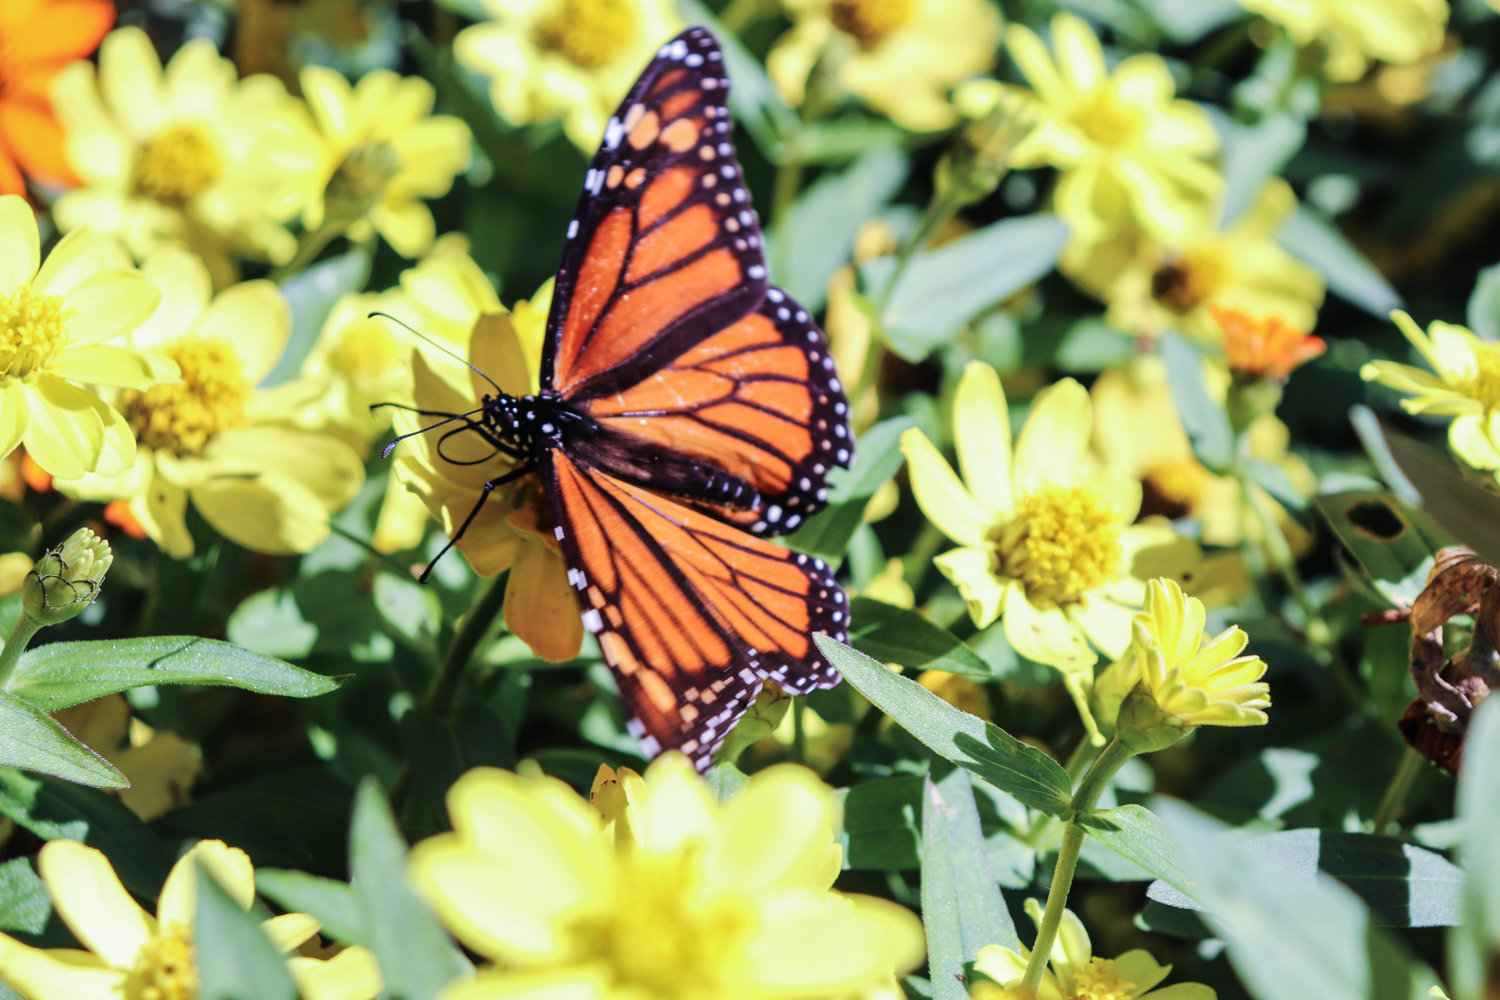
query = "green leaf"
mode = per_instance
[
  {"x": 32, "y": 740},
  {"x": 881, "y": 831},
  {"x": 1025, "y": 772},
  {"x": 1136, "y": 833},
  {"x": 1392, "y": 542},
  {"x": 1403, "y": 885},
  {"x": 943, "y": 289},
  {"x": 335, "y": 904},
  {"x": 1483, "y": 314},
  {"x": 54, "y": 809},
  {"x": 1472, "y": 945},
  {"x": 416, "y": 956},
  {"x": 60, "y": 674},
  {"x": 311, "y": 294},
  {"x": 877, "y": 457},
  {"x": 962, "y": 909},
  {"x": 235, "y": 959},
  {"x": 25, "y": 903},
  {"x": 816, "y": 237},
  {"x": 1205, "y": 421},
  {"x": 1288, "y": 936},
  {"x": 1314, "y": 239},
  {"x": 900, "y": 635},
  {"x": 1255, "y": 153}
]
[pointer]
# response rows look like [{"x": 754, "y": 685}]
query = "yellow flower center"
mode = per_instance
[
  {"x": 1107, "y": 120},
  {"x": 1172, "y": 487},
  {"x": 1184, "y": 284},
  {"x": 366, "y": 350},
  {"x": 650, "y": 938},
  {"x": 33, "y": 329},
  {"x": 1063, "y": 542},
  {"x": 1099, "y": 981},
  {"x": 587, "y": 33},
  {"x": 176, "y": 165},
  {"x": 870, "y": 21},
  {"x": 164, "y": 969},
  {"x": 183, "y": 417}
]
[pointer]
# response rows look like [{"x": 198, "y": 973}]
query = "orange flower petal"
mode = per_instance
[
  {"x": 57, "y": 31},
  {"x": 35, "y": 139}
]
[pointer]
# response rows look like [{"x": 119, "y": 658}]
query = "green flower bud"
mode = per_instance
[
  {"x": 1143, "y": 727},
  {"x": 759, "y": 721},
  {"x": 66, "y": 580},
  {"x": 359, "y": 182},
  {"x": 979, "y": 159}
]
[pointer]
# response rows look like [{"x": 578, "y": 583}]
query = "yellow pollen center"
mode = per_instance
[
  {"x": 183, "y": 417},
  {"x": 1107, "y": 120},
  {"x": 1099, "y": 981},
  {"x": 176, "y": 165},
  {"x": 1184, "y": 284},
  {"x": 1062, "y": 543},
  {"x": 587, "y": 33},
  {"x": 164, "y": 969},
  {"x": 33, "y": 329},
  {"x": 366, "y": 350},
  {"x": 870, "y": 21},
  {"x": 649, "y": 940}
]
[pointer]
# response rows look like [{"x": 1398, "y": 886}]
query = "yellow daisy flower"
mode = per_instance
[
  {"x": 188, "y": 153},
  {"x": 616, "y": 900},
  {"x": 1128, "y": 153},
  {"x": 56, "y": 318},
  {"x": 1047, "y": 539},
  {"x": 214, "y": 439},
  {"x": 899, "y": 57},
  {"x": 384, "y": 151},
  {"x": 512, "y": 529},
  {"x": 1464, "y": 384},
  {"x": 133, "y": 955},
  {"x": 565, "y": 59},
  {"x": 1153, "y": 286},
  {"x": 1354, "y": 34},
  {"x": 161, "y": 766}
]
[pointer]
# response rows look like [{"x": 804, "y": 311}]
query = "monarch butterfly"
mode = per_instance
[{"x": 686, "y": 408}]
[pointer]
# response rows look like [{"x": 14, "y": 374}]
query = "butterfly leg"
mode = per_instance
[{"x": 484, "y": 494}]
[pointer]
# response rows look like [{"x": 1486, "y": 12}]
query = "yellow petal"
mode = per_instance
[
  {"x": 1045, "y": 635},
  {"x": 185, "y": 287},
  {"x": 778, "y": 834},
  {"x": 266, "y": 513},
  {"x": 90, "y": 899},
  {"x": 12, "y": 416},
  {"x": 229, "y": 866},
  {"x": 106, "y": 364},
  {"x": 539, "y": 604},
  {"x": 945, "y": 501},
  {"x": 322, "y": 465},
  {"x": 109, "y": 304},
  {"x": 77, "y": 257},
  {"x": 352, "y": 974},
  {"x": 18, "y": 235},
  {"x": 981, "y": 433},
  {"x": 1080, "y": 60},
  {"x": 288, "y": 931},
  {"x": 542, "y": 984},
  {"x": 831, "y": 945},
  {"x": 130, "y": 80},
  {"x": 1055, "y": 438},
  {"x": 407, "y": 226},
  {"x": 64, "y": 427},
  {"x": 162, "y": 511},
  {"x": 256, "y": 320},
  {"x": 972, "y": 570},
  {"x": 58, "y": 974}
]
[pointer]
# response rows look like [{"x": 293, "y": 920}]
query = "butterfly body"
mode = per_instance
[{"x": 687, "y": 408}]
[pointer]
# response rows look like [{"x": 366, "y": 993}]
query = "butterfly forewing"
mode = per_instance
[{"x": 664, "y": 248}]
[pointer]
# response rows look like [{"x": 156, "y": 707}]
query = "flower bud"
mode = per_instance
[
  {"x": 359, "y": 182},
  {"x": 979, "y": 159},
  {"x": 758, "y": 722},
  {"x": 1143, "y": 727},
  {"x": 66, "y": 580}
]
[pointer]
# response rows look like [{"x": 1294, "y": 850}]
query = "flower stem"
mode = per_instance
[
  {"x": 15, "y": 644},
  {"x": 1079, "y": 761},
  {"x": 476, "y": 623},
  {"x": 1094, "y": 782},
  {"x": 1395, "y": 792}
]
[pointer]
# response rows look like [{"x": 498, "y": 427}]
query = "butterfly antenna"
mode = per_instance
[
  {"x": 386, "y": 451},
  {"x": 422, "y": 336},
  {"x": 484, "y": 494}
]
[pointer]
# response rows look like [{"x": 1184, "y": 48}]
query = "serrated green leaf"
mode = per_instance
[
  {"x": 416, "y": 957},
  {"x": 1025, "y": 772},
  {"x": 33, "y": 741},
  {"x": 335, "y": 904},
  {"x": 60, "y": 674},
  {"x": 234, "y": 958},
  {"x": 1134, "y": 832},
  {"x": 941, "y": 290},
  {"x": 1205, "y": 421},
  {"x": 877, "y": 457},
  {"x": 962, "y": 909},
  {"x": 1472, "y": 945},
  {"x": 25, "y": 903},
  {"x": 900, "y": 635},
  {"x": 1314, "y": 239}
]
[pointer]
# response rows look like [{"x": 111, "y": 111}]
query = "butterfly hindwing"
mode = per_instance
[
  {"x": 692, "y": 614},
  {"x": 664, "y": 247},
  {"x": 759, "y": 401}
]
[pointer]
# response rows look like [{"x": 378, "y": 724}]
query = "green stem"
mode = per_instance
[
  {"x": 939, "y": 210},
  {"x": 15, "y": 644},
  {"x": 799, "y": 732},
  {"x": 1396, "y": 792},
  {"x": 308, "y": 248},
  {"x": 1078, "y": 763},
  {"x": 1094, "y": 783},
  {"x": 476, "y": 623}
]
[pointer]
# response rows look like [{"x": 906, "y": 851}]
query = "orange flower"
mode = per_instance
[
  {"x": 1264, "y": 348},
  {"x": 38, "y": 38}
]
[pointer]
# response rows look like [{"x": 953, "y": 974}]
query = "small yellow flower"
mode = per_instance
[
  {"x": 132, "y": 955},
  {"x": 1183, "y": 678},
  {"x": 161, "y": 766},
  {"x": 1464, "y": 384},
  {"x": 1152, "y": 286},
  {"x": 384, "y": 151},
  {"x": 963, "y": 693},
  {"x": 56, "y": 321},
  {"x": 213, "y": 438},
  {"x": 1129, "y": 154},
  {"x": 1354, "y": 34},
  {"x": 564, "y": 59},
  {"x": 899, "y": 57},
  {"x": 188, "y": 153},
  {"x": 1047, "y": 537},
  {"x": 657, "y": 889}
]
